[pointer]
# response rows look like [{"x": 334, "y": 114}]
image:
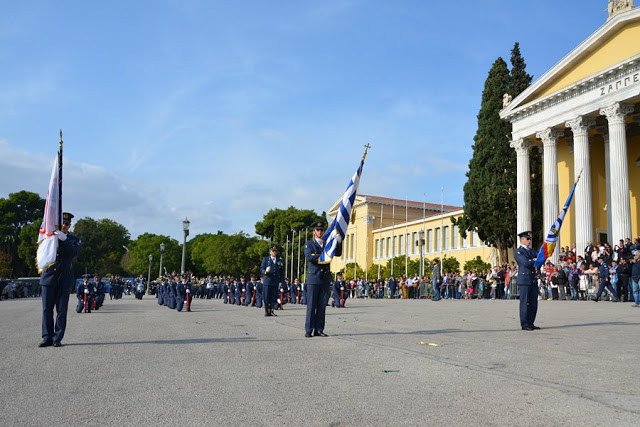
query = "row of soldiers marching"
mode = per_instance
[
  {"x": 175, "y": 293},
  {"x": 90, "y": 295}
]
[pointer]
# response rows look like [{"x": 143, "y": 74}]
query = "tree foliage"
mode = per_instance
[
  {"x": 136, "y": 260},
  {"x": 27, "y": 247},
  {"x": 236, "y": 254},
  {"x": 104, "y": 242},
  {"x": 17, "y": 211},
  {"x": 490, "y": 201},
  {"x": 277, "y": 224},
  {"x": 476, "y": 264}
]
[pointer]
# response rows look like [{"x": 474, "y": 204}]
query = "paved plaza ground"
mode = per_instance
[{"x": 136, "y": 363}]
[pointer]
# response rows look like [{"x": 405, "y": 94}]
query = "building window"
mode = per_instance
[
  {"x": 456, "y": 236},
  {"x": 414, "y": 238},
  {"x": 438, "y": 238},
  {"x": 474, "y": 239},
  {"x": 430, "y": 240},
  {"x": 447, "y": 238},
  {"x": 400, "y": 252},
  {"x": 388, "y": 245}
]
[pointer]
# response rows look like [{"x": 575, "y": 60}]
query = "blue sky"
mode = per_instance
[{"x": 221, "y": 110}]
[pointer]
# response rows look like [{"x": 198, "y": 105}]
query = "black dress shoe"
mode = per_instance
[
  {"x": 528, "y": 328},
  {"x": 319, "y": 334},
  {"x": 536, "y": 327},
  {"x": 307, "y": 334},
  {"x": 45, "y": 343},
  {"x": 57, "y": 344}
]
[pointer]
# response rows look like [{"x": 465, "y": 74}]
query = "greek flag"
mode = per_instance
[
  {"x": 546, "y": 250},
  {"x": 336, "y": 231}
]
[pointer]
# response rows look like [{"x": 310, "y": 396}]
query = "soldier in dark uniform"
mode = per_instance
[
  {"x": 232, "y": 292},
  {"x": 294, "y": 289},
  {"x": 181, "y": 293},
  {"x": 139, "y": 291},
  {"x": 249, "y": 292},
  {"x": 160, "y": 292},
  {"x": 171, "y": 301},
  {"x": 259, "y": 289},
  {"x": 240, "y": 290},
  {"x": 526, "y": 281},
  {"x": 318, "y": 282},
  {"x": 272, "y": 269},
  {"x": 55, "y": 285},
  {"x": 100, "y": 290},
  {"x": 225, "y": 292},
  {"x": 605, "y": 280},
  {"x": 85, "y": 292},
  {"x": 340, "y": 291}
]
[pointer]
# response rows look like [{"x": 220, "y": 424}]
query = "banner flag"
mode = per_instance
[{"x": 336, "y": 231}]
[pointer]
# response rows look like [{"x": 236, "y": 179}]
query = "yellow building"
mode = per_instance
[
  {"x": 382, "y": 228},
  {"x": 584, "y": 114}
]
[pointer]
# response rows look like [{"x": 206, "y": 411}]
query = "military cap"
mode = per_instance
[
  {"x": 526, "y": 234},
  {"x": 67, "y": 217},
  {"x": 273, "y": 248},
  {"x": 96, "y": 275},
  {"x": 86, "y": 276},
  {"x": 318, "y": 225}
]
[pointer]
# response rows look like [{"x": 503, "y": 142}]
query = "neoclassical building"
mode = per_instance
[
  {"x": 584, "y": 115},
  {"x": 382, "y": 228}
]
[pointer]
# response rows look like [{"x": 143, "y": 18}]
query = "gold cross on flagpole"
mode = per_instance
[{"x": 366, "y": 148}]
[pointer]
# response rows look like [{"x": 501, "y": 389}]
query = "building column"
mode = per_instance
[
  {"x": 607, "y": 177},
  {"x": 524, "y": 184},
  {"x": 550, "y": 196},
  {"x": 581, "y": 164},
  {"x": 619, "y": 171}
]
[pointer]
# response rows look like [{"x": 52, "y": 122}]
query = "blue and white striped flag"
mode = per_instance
[{"x": 336, "y": 231}]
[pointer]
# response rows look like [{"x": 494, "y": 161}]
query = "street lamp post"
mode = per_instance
[
  {"x": 162, "y": 247},
  {"x": 149, "y": 277},
  {"x": 185, "y": 227}
]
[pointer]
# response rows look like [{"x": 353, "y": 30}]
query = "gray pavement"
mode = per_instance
[{"x": 136, "y": 363}]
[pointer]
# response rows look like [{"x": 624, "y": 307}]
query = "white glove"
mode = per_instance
[
  {"x": 61, "y": 236},
  {"x": 278, "y": 300},
  {"x": 267, "y": 270},
  {"x": 342, "y": 289},
  {"x": 188, "y": 291},
  {"x": 338, "y": 238},
  {"x": 86, "y": 291}
]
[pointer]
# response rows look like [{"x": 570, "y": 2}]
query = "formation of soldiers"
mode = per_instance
[
  {"x": 175, "y": 291},
  {"x": 118, "y": 287},
  {"x": 90, "y": 295}
]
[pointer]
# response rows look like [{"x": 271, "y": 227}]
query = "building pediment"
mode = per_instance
[{"x": 612, "y": 44}]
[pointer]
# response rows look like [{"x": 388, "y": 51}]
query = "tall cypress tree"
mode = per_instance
[
  {"x": 490, "y": 191},
  {"x": 520, "y": 80}
]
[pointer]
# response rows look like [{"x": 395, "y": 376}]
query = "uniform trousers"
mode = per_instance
[
  {"x": 317, "y": 297},
  {"x": 58, "y": 297},
  {"x": 528, "y": 304}
]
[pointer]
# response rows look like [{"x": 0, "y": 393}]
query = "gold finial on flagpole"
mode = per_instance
[
  {"x": 366, "y": 148},
  {"x": 579, "y": 175},
  {"x": 60, "y": 139}
]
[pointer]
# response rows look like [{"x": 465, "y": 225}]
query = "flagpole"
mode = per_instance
[
  {"x": 406, "y": 246},
  {"x": 441, "y": 225},
  {"x": 59, "y": 225},
  {"x": 393, "y": 234},
  {"x": 381, "y": 253}
]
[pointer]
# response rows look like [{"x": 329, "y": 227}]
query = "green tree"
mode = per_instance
[
  {"x": 28, "y": 245},
  {"x": 17, "y": 211},
  {"x": 476, "y": 264},
  {"x": 490, "y": 191},
  {"x": 277, "y": 224},
  {"x": 519, "y": 81},
  {"x": 104, "y": 242},
  {"x": 450, "y": 265},
  {"x": 136, "y": 260},
  {"x": 348, "y": 271}
]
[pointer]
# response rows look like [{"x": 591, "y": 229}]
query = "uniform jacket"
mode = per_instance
[
  {"x": 318, "y": 274},
  {"x": 275, "y": 275},
  {"x": 61, "y": 272},
  {"x": 526, "y": 258}
]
